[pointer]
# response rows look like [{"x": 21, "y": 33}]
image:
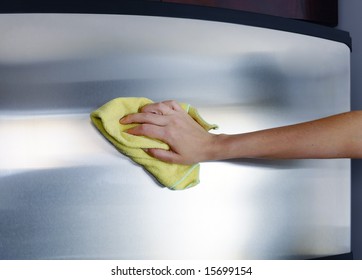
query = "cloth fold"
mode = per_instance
[{"x": 173, "y": 176}]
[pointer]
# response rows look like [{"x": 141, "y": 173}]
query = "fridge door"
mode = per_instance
[{"x": 67, "y": 193}]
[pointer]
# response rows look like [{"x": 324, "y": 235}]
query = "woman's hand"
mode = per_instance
[
  {"x": 167, "y": 121},
  {"x": 338, "y": 136}
]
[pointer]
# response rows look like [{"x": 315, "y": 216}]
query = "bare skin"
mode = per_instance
[{"x": 338, "y": 136}]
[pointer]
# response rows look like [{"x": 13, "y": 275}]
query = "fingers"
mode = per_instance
[
  {"x": 158, "y": 133},
  {"x": 164, "y": 155},
  {"x": 150, "y": 118},
  {"x": 151, "y": 113},
  {"x": 162, "y": 108},
  {"x": 148, "y": 130},
  {"x": 162, "y": 121}
]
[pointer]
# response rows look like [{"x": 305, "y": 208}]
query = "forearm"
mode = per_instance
[{"x": 338, "y": 136}]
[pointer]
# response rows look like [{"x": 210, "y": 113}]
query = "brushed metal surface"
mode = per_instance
[{"x": 66, "y": 193}]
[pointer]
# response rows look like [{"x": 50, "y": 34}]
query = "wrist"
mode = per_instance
[
  {"x": 225, "y": 146},
  {"x": 218, "y": 147}
]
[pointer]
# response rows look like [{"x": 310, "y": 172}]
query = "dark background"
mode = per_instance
[
  {"x": 321, "y": 11},
  {"x": 350, "y": 20}
]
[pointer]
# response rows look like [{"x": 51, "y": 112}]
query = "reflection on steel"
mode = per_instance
[{"x": 65, "y": 192}]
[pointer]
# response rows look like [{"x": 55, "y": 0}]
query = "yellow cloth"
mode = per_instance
[{"x": 173, "y": 176}]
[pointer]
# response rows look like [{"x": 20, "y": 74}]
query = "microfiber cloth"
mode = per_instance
[{"x": 173, "y": 176}]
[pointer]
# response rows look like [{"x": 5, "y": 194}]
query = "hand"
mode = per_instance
[{"x": 189, "y": 143}]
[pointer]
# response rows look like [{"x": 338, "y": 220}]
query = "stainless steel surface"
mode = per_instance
[{"x": 65, "y": 192}]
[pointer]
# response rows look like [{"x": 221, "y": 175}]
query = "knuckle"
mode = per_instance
[
  {"x": 172, "y": 104},
  {"x": 159, "y": 105}
]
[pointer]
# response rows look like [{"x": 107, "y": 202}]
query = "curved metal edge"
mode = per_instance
[{"x": 157, "y": 8}]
